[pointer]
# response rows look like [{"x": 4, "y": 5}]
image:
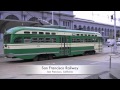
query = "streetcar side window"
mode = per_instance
[
  {"x": 47, "y": 40},
  {"x": 41, "y": 39},
  {"x": 89, "y": 40},
  {"x": 26, "y": 32},
  {"x": 47, "y": 33},
  {"x": 18, "y": 40},
  {"x": 34, "y": 40},
  {"x": 7, "y": 38},
  {"x": 53, "y": 39},
  {"x": 53, "y": 33},
  {"x": 27, "y": 40},
  {"x": 34, "y": 32},
  {"x": 92, "y": 40},
  {"x": 41, "y": 33},
  {"x": 74, "y": 40},
  {"x": 85, "y": 34},
  {"x": 81, "y": 40},
  {"x": 85, "y": 40},
  {"x": 95, "y": 40},
  {"x": 78, "y": 40}
]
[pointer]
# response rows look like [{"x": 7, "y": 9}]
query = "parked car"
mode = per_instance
[
  {"x": 118, "y": 43},
  {"x": 110, "y": 42}
]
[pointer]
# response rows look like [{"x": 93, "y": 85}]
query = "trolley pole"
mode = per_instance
[
  {"x": 52, "y": 18},
  {"x": 115, "y": 46}
]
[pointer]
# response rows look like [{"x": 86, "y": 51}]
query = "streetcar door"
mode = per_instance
[
  {"x": 65, "y": 45},
  {"x": 100, "y": 44}
]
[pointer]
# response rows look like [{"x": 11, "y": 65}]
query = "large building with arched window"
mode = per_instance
[{"x": 10, "y": 19}]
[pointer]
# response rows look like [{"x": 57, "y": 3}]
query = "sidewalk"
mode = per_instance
[{"x": 108, "y": 50}]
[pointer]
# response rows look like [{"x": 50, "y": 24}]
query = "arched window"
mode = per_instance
[
  {"x": 33, "y": 19},
  {"x": 88, "y": 28},
  {"x": 95, "y": 29},
  {"x": 111, "y": 33},
  {"x": 80, "y": 27},
  {"x": 75, "y": 26},
  {"x": 92, "y": 29},
  {"x": 105, "y": 32},
  {"x": 84, "y": 28},
  {"x": 99, "y": 29},
  {"x": 102, "y": 32},
  {"x": 12, "y": 17}
]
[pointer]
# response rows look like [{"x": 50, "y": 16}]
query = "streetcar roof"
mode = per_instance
[{"x": 20, "y": 28}]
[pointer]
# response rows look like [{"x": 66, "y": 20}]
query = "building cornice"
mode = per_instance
[
  {"x": 57, "y": 13},
  {"x": 91, "y": 21}
]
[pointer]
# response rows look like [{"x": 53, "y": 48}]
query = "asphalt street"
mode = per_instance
[{"x": 11, "y": 68}]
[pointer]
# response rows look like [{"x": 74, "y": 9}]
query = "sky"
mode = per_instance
[{"x": 99, "y": 16}]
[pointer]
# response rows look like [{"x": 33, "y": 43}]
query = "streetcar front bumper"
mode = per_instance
[
  {"x": 2, "y": 55},
  {"x": 10, "y": 55}
]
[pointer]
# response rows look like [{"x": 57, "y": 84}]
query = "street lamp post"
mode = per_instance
[
  {"x": 103, "y": 37},
  {"x": 115, "y": 46}
]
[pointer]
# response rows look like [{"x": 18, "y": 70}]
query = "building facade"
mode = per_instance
[{"x": 63, "y": 18}]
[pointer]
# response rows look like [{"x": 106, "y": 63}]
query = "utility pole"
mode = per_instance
[
  {"x": 52, "y": 18},
  {"x": 115, "y": 46}
]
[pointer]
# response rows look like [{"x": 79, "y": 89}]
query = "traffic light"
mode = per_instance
[{"x": 111, "y": 16}]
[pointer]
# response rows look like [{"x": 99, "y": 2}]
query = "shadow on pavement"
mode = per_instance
[
  {"x": 30, "y": 60},
  {"x": 19, "y": 61}
]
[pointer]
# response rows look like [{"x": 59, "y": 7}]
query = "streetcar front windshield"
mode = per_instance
[{"x": 7, "y": 38}]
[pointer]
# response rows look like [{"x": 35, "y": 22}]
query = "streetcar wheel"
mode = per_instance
[
  {"x": 40, "y": 58},
  {"x": 93, "y": 52},
  {"x": 84, "y": 53},
  {"x": 36, "y": 58},
  {"x": 50, "y": 57}
]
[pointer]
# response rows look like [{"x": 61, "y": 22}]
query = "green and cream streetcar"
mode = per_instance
[{"x": 49, "y": 41}]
